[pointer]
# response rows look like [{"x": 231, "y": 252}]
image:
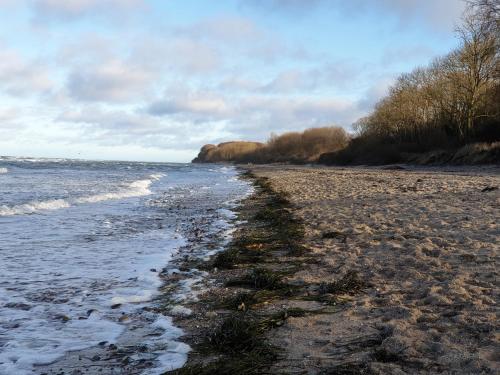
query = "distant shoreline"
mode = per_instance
[{"x": 298, "y": 152}]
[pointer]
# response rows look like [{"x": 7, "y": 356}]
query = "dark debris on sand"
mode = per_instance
[{"x": 247, "y": 286}]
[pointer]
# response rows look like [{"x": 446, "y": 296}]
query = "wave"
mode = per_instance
[
  {"x": 28, "y": 208},
  {"x": 3, "y": 170},
  {"x": 35, "y": 160},
  {"x": 145, "y": 297},
  {"x": 135, "y": 189}
]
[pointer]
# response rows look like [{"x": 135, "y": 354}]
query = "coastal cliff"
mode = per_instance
[
  {"x": 226, "y": 152},
  {"x": 292, "y": 147}
]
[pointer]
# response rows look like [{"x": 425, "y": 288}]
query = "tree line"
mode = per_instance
[{"x": 453, "y": 101}]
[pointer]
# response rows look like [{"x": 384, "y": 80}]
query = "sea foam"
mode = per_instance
[
  {"x": 135, "y": 189},
  {"x": 28, "y": 208},
  {"x": 69, "y": 280}
]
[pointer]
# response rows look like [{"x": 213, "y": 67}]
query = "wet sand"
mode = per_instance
[{"x": 206, "y": 232}]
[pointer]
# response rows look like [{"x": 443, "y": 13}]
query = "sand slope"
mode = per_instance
[{"x": 426, "y": 242}]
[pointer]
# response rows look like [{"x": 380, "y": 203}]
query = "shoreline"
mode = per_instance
[
  {"x": 338, "y": 298},
  {"x": 334, "y": 270},
  {"x": 151, "y": 342},
  {"x": 244, "y": 287}
]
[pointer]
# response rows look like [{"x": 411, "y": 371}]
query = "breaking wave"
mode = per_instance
[
  {"x": 135, "y": 189},
  {"x": 3, "y": 170},
  {"x": 27, "y": 208}
]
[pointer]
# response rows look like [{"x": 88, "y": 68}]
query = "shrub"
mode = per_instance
[{"x": 293, "y": 147}]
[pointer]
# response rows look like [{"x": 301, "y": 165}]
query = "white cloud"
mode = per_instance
[
  {"x": 326, "y": 75},
  {"x": 409, "y": 53},
  {"x": 198, "y": 104},
  {"x": 297, "y": 7},
  {"x": 254, "y": 116},
  {"x": 192, "y": 56},
  {"x": 8, "y": 115},
  {"x": 374, "y": 93},
  {"x": 47, "y": 10},
  {"x": 289, "y": 81},
  {"x": 120, "y": 127},
  {"x": 114, "y": 120},
  {"x": 225, "y": 29},
  {"x": 237, "y": 36},
  {"x": 295, "y": 113},
  {"x": 88, "y": 49},
  {"x": 439, "y": 14},
  {"x": 7, "y": 3},
  {"x": 238, "y": 82},
  {"x": 20, "y": 77},
  {"x": 114, "y": 81},
  {"x": 184, "y": 121}
]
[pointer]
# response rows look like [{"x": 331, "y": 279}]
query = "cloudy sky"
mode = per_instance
[{"x": 156, "y": 79}]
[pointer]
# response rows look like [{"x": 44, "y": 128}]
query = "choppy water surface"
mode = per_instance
[{"x": 80, "y": 237}]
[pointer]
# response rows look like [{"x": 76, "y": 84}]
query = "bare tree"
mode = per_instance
[
  {"x": 453, "y": 97},
  {"x": 477, "y": 61}
]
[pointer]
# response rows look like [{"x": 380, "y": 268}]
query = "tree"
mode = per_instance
[{"x": 477, "y": 63}]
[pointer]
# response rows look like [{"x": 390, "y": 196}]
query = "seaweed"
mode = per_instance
[
  {"x": 350, "y": 283},
  {"x": 237, "y": 344},
  {"x": 239, "y": 338},
  {"x": 226, "y": 259}
]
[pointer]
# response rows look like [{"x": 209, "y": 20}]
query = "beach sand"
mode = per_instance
[{"x": 425, "y": 244}]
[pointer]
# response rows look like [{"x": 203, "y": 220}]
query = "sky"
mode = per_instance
[{"x": 154, "y": 80}]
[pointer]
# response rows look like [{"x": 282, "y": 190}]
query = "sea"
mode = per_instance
[{"x": 83, "y": 245}]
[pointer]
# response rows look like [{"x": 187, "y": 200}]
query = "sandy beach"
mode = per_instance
[
  {"x": 426, "y": 243},
  {"x": 398, "y": 273}
]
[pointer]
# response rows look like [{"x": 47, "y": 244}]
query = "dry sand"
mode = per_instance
[{"x": 426, "y": 242}]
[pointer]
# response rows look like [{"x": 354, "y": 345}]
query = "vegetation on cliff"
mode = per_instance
[
  {"x": 292, "y": 147},
  {"x": 227, "y": 151}
]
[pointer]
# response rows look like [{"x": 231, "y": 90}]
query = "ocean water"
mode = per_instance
[{"x": 79, "y": 238}]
